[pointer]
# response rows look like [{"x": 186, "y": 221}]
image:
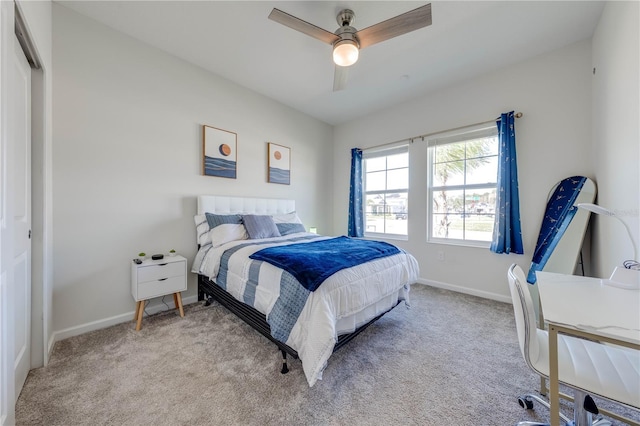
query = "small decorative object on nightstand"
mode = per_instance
[
  {"x": 155, "y": 278},
  {"x": 172, "y": 252},
  {"x": 142, "y": 256}
]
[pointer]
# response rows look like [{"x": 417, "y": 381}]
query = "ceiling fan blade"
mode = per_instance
[
  {"x": 303, "y": 26},
  {"x": 340, "y": 78},
  {"x": 401, "y": 24}
]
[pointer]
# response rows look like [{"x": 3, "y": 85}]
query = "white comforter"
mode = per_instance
[{"x": 346, "y": 300}]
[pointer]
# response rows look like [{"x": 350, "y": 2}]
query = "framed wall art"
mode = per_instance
[
  {"x": 219, "y": 152},
  {"x": 279, "y": 164}
]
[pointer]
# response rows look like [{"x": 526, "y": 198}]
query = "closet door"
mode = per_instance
[{"x": 19, "y": 171}]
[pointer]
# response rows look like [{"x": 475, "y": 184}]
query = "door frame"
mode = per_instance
[
  {"x": 42, "y": 251},
  {"x": 40, "y": 187},
  {"x": 20, "y": 145},
  {"x": 7, "y": 375}
]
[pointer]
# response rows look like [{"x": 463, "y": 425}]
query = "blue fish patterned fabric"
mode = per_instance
[{"x": 557, "y": 217}]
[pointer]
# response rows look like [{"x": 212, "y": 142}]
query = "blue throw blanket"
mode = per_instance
[{"x": 312, "y": 263}]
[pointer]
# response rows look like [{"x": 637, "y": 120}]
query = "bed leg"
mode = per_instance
[
  {"x": 285, "y": 369},
  {"x": 207, "y": 300}
]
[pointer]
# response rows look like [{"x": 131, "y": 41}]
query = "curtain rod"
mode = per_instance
[{"x": 516, "y": 115}]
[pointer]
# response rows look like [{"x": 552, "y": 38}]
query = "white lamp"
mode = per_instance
[
  {"x": 621, "y": 277},
  {"x": 345, "y": 52},
  {"x": 606, "y": 212}
]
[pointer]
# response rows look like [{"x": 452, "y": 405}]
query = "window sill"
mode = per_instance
[
  {"x": 386, "y": 236},
  {"x": 460, "y": 243}
]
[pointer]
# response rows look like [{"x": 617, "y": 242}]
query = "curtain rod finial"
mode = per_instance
[{"x": 518, "y": 115}]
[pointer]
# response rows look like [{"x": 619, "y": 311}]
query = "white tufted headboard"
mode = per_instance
[{"x": 249, "y": 205}]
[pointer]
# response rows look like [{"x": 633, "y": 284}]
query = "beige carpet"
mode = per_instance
[{"x": 451, "y": 359}]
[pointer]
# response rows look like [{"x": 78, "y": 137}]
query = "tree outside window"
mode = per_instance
[{"x": 462, "y": 187}]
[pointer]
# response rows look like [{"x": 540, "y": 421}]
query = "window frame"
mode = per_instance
[
  {"x": 469, "y": 133},
  {"x": 379, "y": 153}
]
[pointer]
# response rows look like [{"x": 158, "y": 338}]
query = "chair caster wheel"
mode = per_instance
[{"x": 525, "y": 402}]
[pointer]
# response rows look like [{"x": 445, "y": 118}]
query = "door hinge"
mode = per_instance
[{"x": 29, "y": 233}]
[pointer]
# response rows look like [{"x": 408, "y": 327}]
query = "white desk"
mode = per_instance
[{"x": 583, "y": 307}]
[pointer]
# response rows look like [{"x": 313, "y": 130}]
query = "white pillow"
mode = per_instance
[
  {"x": 227, "y": 232},
  {"x": 291, "y": 217},
  {"x": 202, "y": 230},
  {"x": 288, "y": 223}
]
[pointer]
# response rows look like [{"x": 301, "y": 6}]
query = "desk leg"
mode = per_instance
[{"x": 554, "y": 391}]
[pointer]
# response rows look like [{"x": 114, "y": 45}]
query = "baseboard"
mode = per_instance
[
  {"x": 108, "y": 322},
  {"x": 4, "y": 420},
  {"x": 159, "y": 307},
  {"x": 465, "y": 290},
  {"x": 52, "y": 341}
]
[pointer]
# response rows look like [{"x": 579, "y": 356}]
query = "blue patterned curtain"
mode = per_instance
[
  {"x": 507, "y": 232},
  {"x": 557, "y": 217},
  {"x": 356, "y": 213}
]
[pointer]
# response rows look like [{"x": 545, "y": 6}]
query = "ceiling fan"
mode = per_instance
[{"x": 347, "y": 41}]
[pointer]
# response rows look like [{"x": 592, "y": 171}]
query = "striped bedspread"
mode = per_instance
[{"x": 308, "y": 322}]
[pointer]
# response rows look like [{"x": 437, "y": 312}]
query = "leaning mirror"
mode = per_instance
[{"x": 563, "y": 228}]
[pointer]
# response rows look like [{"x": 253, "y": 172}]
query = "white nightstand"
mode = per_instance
[{"x": 154, "y": 278}]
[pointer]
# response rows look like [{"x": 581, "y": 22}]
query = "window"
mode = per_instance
[
  {"x": 386, "y": 187},
  {"x": 462, "y": 186}
]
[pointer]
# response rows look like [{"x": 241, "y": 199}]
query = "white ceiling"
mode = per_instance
[{"x": 235, "y": 40}]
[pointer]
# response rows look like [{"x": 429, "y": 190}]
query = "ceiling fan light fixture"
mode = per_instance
[
  {"x": 347, "y": 41},
  {"x": 345, "y": 53}
]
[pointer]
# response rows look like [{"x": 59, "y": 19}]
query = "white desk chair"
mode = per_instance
[{"x": 581, "y": 363}]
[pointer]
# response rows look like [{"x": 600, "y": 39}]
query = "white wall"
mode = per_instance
[
  {"x": 127, "y": 162},
  {"x": 139, "y": 112},
  {"x": 616, "y": 132},
  {"x": 553, "y": 142}
]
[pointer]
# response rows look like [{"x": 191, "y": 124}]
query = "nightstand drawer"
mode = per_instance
[
  {"x": 159, "y": 271},
  {"x": 150, "y": 289}
]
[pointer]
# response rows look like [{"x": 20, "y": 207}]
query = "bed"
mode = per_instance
[{"x": 307, "y": 317}]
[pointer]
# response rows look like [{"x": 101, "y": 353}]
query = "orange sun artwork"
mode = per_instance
[
  {"x": 225, "y": 149},
  {"x": 279, "y": 164}
]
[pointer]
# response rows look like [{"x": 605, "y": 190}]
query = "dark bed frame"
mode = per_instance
[{"x": 209, "y": 290}]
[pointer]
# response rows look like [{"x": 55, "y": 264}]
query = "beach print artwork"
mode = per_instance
[
  {"x": 220, "y": 152},
  {"x": 279, "y": 164}
]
